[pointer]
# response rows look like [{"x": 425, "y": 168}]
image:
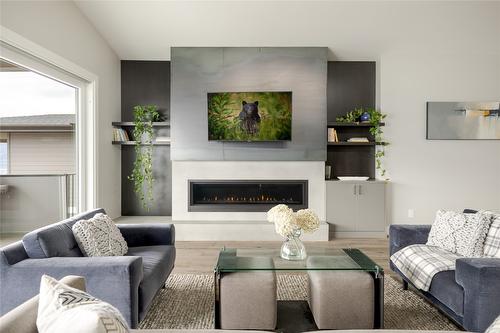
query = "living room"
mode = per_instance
[{"x": 287, "y": 166}]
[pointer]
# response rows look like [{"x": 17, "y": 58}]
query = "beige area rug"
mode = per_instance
[{"x": 187, "y": 303}]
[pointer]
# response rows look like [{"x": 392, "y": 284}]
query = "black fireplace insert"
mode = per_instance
[{"x": 245, "y": 195}]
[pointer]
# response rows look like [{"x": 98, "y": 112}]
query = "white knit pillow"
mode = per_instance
[
  {"x": 63, "y": 309},
  {"x": 460, "y": 233},
  {"x": 99, "y": 236}
]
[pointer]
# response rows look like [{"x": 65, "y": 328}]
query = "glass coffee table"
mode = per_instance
[{"x": 233, "y": 260}]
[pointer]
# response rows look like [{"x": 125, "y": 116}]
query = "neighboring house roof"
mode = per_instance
[{"x": 45, "y": 123}]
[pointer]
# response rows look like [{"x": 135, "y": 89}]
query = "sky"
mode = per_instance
[{"x": 28, "y": 93}]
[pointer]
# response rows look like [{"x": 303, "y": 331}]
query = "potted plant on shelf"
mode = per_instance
[
  {"x": 374, "y": 117},
  {"x": 142, "y": 174}
]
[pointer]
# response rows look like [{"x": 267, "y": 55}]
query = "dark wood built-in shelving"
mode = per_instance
[
  {"x": 133, "y": 143},
  {"x": 341, "y": 124},
  {"x": 131, "y": 124},
  {"x": 346, "y": 143}
]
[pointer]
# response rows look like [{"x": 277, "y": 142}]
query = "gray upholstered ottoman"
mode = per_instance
[
  {"x": 248, "y": 300},
  {"x": 342, "y": 299}
]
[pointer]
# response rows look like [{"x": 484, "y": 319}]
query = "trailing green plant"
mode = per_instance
[
  {"x": 142, "y": 174},
  {"x": 376, "y": 118}
]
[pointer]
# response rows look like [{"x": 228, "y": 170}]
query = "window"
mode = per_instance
[{"x": 4, "y": 153}]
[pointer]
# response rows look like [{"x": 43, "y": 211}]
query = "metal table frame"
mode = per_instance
[{"x": 377, "y": 275}]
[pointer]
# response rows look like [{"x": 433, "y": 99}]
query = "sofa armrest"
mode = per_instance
[
  {"x": 112, "y": 279},
  {"x": 480, "y": 278},
  {"x": 403, "y": 235},
  {"x": 23, "y": 318},
  {"x": 148, "y": 234}
]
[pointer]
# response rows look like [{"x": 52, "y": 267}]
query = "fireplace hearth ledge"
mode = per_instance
[{"x": 198, "y": 230}]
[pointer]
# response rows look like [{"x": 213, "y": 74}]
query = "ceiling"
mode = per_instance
[{"x": 353, "y": 30}]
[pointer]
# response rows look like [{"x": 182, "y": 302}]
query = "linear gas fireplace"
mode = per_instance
[{"x": 245, "y": 195}]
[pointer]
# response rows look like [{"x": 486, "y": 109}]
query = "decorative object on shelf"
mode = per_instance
[
  {"x": 365, "y": 117},
  {"x": 162, "y": 139},
  {"x": 142, "y": 174},
  {"x": 290, "y": 225},
  {"x": 353, "y": 178},
  {"x": 463, "y": 120},
  {"x": 375, "y": 120},
  {"x": 328, "y": 172},
  {"x": 362, "y": 139}
]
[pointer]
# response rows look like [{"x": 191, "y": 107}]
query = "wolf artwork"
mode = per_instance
[{"x": 249, "y": 117}]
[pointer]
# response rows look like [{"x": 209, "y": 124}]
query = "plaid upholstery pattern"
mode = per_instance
[
  {"x": 420, "y": 262},
  {"x": 492, "y": 242}
]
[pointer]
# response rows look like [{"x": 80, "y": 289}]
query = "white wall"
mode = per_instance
[
  {"x": 60, "y": 27},
  {"x": 425, "y": 51}
]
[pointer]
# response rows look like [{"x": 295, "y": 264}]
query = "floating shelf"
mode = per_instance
[
  {"x": 133, "y": 143},
  {"x": 345, "y": 143},
  {"x": 131, "y": 124},
  {"x": 341, "y": 124}
]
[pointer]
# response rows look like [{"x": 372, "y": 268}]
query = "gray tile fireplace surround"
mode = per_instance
[{"x": 197, "y": 71}]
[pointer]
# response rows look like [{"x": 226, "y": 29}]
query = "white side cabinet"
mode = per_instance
[{"x": 356, "y": 209}]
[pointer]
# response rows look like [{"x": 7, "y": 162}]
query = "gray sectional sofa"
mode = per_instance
[
  {"x": 128, "y": 282},
  {"x": 22, "y": 319},
  {"x": 469, "y": 295}
]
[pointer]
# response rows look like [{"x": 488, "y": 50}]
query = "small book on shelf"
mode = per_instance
[
  {"x": 332, "y": 135},
  {"x": 119, "y": 134}
]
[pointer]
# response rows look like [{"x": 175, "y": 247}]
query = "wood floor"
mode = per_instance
[{"x": 200, "y": 257}]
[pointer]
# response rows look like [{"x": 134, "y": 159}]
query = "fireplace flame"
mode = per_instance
[{"x": 250, "y": 199}]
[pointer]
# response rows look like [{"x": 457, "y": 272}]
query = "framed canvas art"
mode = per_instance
[{"x": 463, "y": 120}]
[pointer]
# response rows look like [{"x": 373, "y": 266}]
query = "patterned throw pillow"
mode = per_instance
[
  {"x": 99, "y": 236},
  {"x": 460, "y": 233},
  {"x": 64, "y": 309},
  {"x": 492, "y": 242}
]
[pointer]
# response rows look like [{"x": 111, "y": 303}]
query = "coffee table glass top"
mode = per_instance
[{"x": 235, "y": 260}]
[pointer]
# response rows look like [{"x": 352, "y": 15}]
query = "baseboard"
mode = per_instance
[
  {"x": 359, "y": 234},
  {"x": 237, "y": 231}
]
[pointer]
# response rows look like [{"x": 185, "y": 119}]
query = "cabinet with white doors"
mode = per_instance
[{"x": 356, "y": 209}]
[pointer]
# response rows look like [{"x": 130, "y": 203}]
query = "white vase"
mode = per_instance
[{"x": 293, "y": 248}]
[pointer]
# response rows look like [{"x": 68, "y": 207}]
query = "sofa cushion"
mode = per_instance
[
  {"x": 445, "y": 288},
  {"x": 158, "y": 262},
  {"x": 56, "y": 240}
]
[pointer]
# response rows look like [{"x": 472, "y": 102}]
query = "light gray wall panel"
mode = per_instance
[{"x": 197, "y": 71}]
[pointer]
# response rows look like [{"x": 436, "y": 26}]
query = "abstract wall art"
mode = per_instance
[{"x": 463, "y": 120}]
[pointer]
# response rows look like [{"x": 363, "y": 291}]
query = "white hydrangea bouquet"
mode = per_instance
[{"x": 290, "y": 225}]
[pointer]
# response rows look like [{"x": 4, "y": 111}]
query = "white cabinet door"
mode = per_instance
[
  {"x": 341, "y": 206},
  {"x": 371, "y": 206}
]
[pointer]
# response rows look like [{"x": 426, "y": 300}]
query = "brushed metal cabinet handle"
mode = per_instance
[
  {"x": 359, "y": 190},
  {"x": 354, "y": 187}
]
